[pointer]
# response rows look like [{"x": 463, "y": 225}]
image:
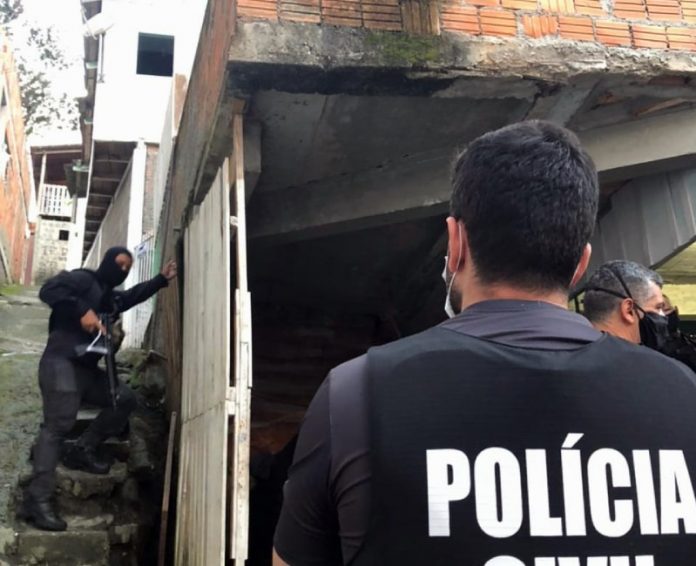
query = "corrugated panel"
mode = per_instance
[{"x": 650, "y": 220}]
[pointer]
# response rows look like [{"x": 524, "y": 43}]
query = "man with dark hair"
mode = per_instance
[
  {"x": 69, "y": 375},
  {"x": 624, "y": 299},
  {"x": 500, "y": 437}
]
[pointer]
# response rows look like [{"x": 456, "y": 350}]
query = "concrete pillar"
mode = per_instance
[
  {"x": 137, "y": 196},
  {"x": 77, "y": 237},
  {"x": 135, "y": 219}
]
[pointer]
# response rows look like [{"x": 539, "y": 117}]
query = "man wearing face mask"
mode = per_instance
[
  {"x": 469, "y": 443},
  {"x": 624, "y": 299},
  {"x": 68, "y": 376}
]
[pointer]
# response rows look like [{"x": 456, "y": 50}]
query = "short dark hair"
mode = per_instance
[
  {"x": 598, "y": 305},
  {"x": 527, "y": 195}
]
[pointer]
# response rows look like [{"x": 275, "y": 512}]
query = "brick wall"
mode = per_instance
[
  {"x": 51, "y": 253},
  {"x": 640, "y": 24},
  {"x": 15, "y": 186}
]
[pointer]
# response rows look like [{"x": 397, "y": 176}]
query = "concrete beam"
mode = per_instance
[
  {"x": 415, "y": 187},
  {"x": 105, "y": 179},
  {"x": 643, "y": 147},
  {"x": 560, "y": 106},
  {"x": 420, "y": 186},
  {"x": 258, "y": 46}
]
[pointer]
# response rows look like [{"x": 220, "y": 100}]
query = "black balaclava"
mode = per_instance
[{"x": 109, "y": 272}]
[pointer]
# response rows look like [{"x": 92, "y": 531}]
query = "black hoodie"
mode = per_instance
[{"x": 70, "y": 294}]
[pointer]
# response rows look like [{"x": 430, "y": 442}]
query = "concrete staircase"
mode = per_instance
[
  {"x": 112, "y": 519},
  {"x": 109, "y": 522}
]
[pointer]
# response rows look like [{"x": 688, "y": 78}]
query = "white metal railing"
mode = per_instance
[
  {"x": 55, "y": 201},
  {"x": 139, "y": 317}
]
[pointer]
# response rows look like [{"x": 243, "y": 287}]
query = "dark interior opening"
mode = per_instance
[{"x": 155, "y": 55}]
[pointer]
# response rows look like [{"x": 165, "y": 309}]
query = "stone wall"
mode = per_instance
[
  {"x": 51, "y": 253},
  {"x": 639, "y": 24}
]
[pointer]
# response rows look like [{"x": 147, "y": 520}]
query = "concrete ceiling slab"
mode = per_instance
[{"x": 307, "y": 137}]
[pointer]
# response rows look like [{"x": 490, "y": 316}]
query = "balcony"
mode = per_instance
[{"x": 55, "y": 201}]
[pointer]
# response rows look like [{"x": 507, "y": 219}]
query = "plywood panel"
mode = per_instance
[{"x": 200, "y": 533}]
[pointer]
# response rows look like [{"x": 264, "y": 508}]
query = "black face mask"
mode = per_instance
[
  {"x": 653, "y": 327},
  {"x": 654, "y": 330},
  {"x": 109, "y": 272}
]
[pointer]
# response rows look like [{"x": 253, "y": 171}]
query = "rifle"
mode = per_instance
[
  {"x": 110, "y": 360},
  {"x": 103, "y": 345}
]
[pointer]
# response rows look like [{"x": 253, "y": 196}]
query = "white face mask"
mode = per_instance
[{"x": 448, "y": 278}]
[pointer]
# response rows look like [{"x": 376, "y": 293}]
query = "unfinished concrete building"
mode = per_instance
[{"x": 330, "y": 126}]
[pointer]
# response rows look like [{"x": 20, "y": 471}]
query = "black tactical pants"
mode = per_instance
[{"x": 65, "y": 385}]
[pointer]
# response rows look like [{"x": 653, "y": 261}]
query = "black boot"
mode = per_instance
[
  {"x": 86, "y": 460},
  {"x": 41, "y": 514}
]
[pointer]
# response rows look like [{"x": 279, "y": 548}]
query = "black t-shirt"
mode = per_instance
[{"x": 327, "y": 505}]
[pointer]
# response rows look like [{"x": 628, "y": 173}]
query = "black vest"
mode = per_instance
[{"x": 490, "y": 455}]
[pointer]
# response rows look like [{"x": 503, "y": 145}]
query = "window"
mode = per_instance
[
  {"x": 155, "y": 55},
  {"x": 64, "y": 235}
]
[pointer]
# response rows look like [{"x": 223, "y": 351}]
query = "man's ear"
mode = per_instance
[
  {"x": 457, "y": 244},
  {"x": 582, "y": 265},
  {"x": 628, "y": 311}
]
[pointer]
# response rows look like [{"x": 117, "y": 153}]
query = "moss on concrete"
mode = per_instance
[
  {"x": 404, "y": 50},
  {"x": 9, "y": 290}
]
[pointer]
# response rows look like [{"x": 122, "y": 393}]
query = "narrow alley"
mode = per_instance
[{"x": 112, "y": 518}]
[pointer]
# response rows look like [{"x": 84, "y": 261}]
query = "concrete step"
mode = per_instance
[
  {"x": 115, "y": 449},
  {"x": 111, "y": 540},
  {"x": 83, "y": 485},
  {"x": 121, "y": 508},
  {"x": 69, "y": 548}
]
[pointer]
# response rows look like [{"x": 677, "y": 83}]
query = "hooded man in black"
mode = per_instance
[{"x": 68, "y": 377}]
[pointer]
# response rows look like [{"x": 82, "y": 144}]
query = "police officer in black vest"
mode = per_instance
[
  {"x": 514, "y": 433},
  {"x": 68, "y": 376}
]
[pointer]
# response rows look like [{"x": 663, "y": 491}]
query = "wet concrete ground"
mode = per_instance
[{"x": 23, "y": 329}]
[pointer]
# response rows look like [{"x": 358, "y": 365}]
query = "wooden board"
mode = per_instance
[
  {"x": 241, "y": 392},
  {"x": 164, "y": 519},
  {"x": 202, "y": 488}
]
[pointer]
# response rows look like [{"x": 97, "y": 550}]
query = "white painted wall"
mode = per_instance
[
  {"x": 77, "y": 239},
  {"x": 129, "y": 106}
]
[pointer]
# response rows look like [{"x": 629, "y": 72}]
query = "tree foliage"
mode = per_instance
[{"x": 37, "y": 55}]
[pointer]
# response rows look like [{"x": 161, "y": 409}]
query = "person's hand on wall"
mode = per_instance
[{"x": 169, "y": 270}]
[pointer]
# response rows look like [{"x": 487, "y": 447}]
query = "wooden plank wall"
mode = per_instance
[
  {"x": 200, "y": 529},
  {"x": 240, "y": 394}
]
